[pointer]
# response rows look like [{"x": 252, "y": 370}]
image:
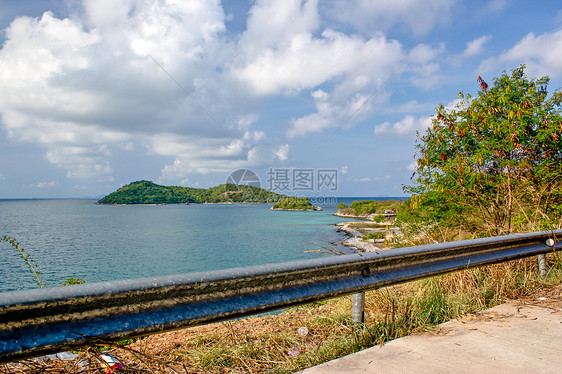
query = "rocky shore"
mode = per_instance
[
  {"x": 367, "y": 236},
  {"x": 363, "y": 216},
  {"x": 354, "y": 239}
]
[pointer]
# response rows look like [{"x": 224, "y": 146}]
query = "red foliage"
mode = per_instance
[{"x": 483, "y": 84}]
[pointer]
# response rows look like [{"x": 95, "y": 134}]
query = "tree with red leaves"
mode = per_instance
[
  {"x": 493, "y": 164},
  {"x": 483, "y": 85}
]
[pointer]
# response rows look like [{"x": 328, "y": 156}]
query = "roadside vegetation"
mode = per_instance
[
  {"x": 28, "y": 261},
  {"x": 490, "y": 165},
  {"x": 370, "y": 207}
]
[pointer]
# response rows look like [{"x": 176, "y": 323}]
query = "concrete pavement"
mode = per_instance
[{"x": 517, "y": 337}]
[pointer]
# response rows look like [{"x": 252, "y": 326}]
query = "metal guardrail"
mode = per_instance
[{"x": 48, "y": 320}]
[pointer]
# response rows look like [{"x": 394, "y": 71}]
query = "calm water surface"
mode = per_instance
[{"x": 78, "y": 238}]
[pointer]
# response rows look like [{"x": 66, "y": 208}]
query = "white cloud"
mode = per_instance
[
  {"x": 306, "y": 61},
  {"x": 421, "y": 61},
  {"x": 405, "y": 127},
  {"x": 542, "y": 55},
  {"x": 2, "y": 177},
  {"x": 491, "y": 8},
  {"x": 278, "y": 25},
  {"x": 344, "y": 169},
  {"x": 497, "y": 5},
  {"x": 424, "y": 54},
  {"x": 282, "y": 152},
  {"x": 35, "y": 106},
  {"x": 362, "y": 180},
  {"x": 332, "y": 112},
  {"x": 412, "y": 106},
  {"x": 80, "y": 87},
  {"x": 382, "y": 178},
  {"x": 413, "y": 166},
  {"x": 178, "y": 169},
  {"x": 419, "y": 16},
  {"x": 212, "y": 155},
  {"x": 45, "y": 184},
  {"x": 245, "y": 121},
  {"x": 165, "y": 78},
  {"x": 476, "y": 46},
  {"x": 81, "y": 162},
  {"x": 285, "y": 51},
  {"x": 409, "y": 125}
]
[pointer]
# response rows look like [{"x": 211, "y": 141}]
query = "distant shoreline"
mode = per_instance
[
  {"x": 316, "y": 209},
  {"x": 204, "y": 203}
]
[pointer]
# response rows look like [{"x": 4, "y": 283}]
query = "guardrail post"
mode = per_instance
[
  {"x": 542, "y": 259},
  {"x": 542, "y": 265},
  {"x": 358, "y": 307}
]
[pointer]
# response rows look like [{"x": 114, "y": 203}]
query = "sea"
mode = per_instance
[{"x": 82, "y": 239}]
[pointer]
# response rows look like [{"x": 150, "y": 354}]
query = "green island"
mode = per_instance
[
  {"x": 294, "y": 203},
  {"x": 147, "y": 192}
]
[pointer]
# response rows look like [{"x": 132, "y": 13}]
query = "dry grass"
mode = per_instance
[{"x": 273, "y": 344}]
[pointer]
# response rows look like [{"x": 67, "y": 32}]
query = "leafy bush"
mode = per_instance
[
  {"x": 294, "y": 203},
  {"x": 70, "y": 281},
  {"x": 491, "y": 165},
  {"x": 378, "y": 218},
  {"x": 375, "y": 207},
  {"x": 374, "y": 235}
]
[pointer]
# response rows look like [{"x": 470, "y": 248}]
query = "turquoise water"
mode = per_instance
[{"x": 78, "y": 238}]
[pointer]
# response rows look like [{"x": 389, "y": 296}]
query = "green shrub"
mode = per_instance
[
  {"x": 70, "y": 281},
  {"x": 294, "y": 203},
  {"x": 374, "y": 235}
]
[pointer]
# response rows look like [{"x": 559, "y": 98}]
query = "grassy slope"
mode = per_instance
[{"x": 268, "y": 344}]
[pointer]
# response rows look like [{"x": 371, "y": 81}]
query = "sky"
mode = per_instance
[{"x": 315, "y": 98}]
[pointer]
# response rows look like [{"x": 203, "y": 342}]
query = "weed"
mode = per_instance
[
  {"x": 27, "y": 259},
  {"x": 374, "y": 235}
]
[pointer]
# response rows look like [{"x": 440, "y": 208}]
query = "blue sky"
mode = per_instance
[{"x": 99, "y": 93}]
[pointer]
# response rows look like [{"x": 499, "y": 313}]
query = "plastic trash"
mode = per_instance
[
  {"x": 63, "y": 356},
  {"x": 111, "y": 363},
  {"x": 303, "y": 331},
  {"x": 295, "y": 352}
]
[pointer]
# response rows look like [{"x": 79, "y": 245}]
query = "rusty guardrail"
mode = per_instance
[{"x": 48, "y": 320}]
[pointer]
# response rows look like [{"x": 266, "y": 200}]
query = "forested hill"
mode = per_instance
[{"x": 147, "y": 192}]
